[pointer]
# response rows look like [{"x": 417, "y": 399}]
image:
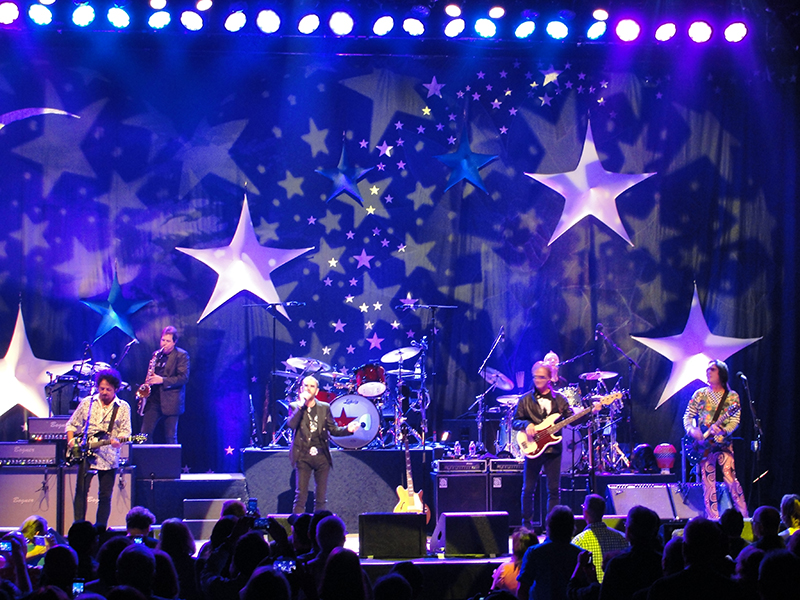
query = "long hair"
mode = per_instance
[{"x": 724, "y": 374}]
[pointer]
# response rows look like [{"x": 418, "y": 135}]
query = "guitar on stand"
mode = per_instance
[{"x": 410, "y": 501}]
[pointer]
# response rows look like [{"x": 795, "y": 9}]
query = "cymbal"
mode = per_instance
[
  {"x": 405, "y": 373},
  {"x": 288, "y": 374},
  {"x": 496, "y": 378},
  {"x": 399, "y": 355},
  {"x": 508, "y": 400},
  {"x": 595, "y": 375},
  {"x": 308, "y": 364}
]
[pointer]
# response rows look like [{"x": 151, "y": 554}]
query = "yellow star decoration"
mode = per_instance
[{"x": 426, "y": 111}]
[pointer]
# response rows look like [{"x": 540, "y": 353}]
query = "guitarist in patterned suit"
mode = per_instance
[
  {"x": 533, "y": 408},
  {"x": 711, "y": 416}
]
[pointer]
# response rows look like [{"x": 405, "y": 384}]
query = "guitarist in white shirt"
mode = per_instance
[
  {"x": 711, "y": 425},
  {"x": 532, "y": 409}
]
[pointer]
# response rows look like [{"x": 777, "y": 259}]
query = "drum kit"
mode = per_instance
[
  {"x": 379, "y": 395},
  {"x": 591, "y": 443}
]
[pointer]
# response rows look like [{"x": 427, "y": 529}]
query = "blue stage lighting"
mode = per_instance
[
  {"x": 628, "y": 30},
  {"x": 83, "y": 15},
  {"x": 700, "y": 32},
  {"x": 455, "y": 28},
  {"x": 118, "y": 17},
  {"x": 666, "y": 32},
  {"x": 235, "y": 21},
  {"x": 557, "y": 30},
  {"x": 159, "y": 20},
  {"x": 413, "y": 26},
  {"x": 308, "y": 24},
  {"x": 452, "y": 10},
  {"x": 485, "y": 28},
  {"x": 596, "y": 30},
  {"x": 341, "y": 23},
  {"x": 383, "y": 25},
  {"x": 41, "y": 15},
  {"x": 268, "y": 21},
  {"x": 191, "y": 20},
  {"x": 204, "y": 5},
  {"x": 735, "y": 32},
  {"x": 158, "y": 4},
  {"x": 497, "y": 12},
  {"x": 9, "y": 12},
  {"x": 525, "y": 30},
  {"x": 600, "y": 14}
]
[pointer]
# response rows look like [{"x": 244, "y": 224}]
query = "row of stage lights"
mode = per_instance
[{"x": 341, "y": 24}]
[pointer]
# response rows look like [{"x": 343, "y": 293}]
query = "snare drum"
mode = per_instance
[
  {"x": 370, "y": 380},
  {"x": 355, "y": 408}
]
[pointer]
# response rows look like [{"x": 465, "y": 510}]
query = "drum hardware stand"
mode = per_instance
[
  {"x": 400, "y": 418},
  {"x": 422, "y": 396},
  {"x": 481, "y": 371}
]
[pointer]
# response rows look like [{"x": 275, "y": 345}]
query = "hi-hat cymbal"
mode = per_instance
[
  {"x": 399, "y": 355},
  {"x": 307, "y": 364},
  {"x": 404, "y": 373},
  {"x": 508, "y": 400},
  {"x": 496, "y": 378},
  {"x": 595, "y": 375},
  {"x": 288, "y": 374}
]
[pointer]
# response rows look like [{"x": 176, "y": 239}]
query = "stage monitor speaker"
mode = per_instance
[
  {"x": 156, "y": 461},
  {"x": 26, "y": 491},
  {"x": 624, "y": 496},
  {"x": 471, "y": 534},
  {"x": 687, "y": 498},
  {"x": 505, "y": 491},
  {"x": 391, "y": 535},
  {"x": 121, "y": 499},
  {"x": 460, "y": 492}
]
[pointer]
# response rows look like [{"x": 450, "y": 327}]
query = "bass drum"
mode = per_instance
[{"x": 355, "y": 408}]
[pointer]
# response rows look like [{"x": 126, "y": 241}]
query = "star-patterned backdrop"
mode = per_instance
[{"x": 542, "y": 192}]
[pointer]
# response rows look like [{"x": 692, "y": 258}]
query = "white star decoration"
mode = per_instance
[
  {"x": 243, "y": 266},
  {"x": 23, "y": 376},
  {"x": 590, "y": 190},
  {"x": 691, "y": 350}
]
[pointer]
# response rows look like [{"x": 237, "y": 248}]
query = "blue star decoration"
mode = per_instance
[
  {"x": 345, "y": 178},
  {"x": 465, "y": 164},
  {"x": 115, "y": 311}
]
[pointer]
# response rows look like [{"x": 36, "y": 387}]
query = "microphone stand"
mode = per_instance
[
  {"x": 481, "y": 397},
  {"x": 755, "y": 445}
]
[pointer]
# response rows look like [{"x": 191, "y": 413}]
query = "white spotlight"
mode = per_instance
[
  {"x": 735, "y": 32},
  {"x": 596, "y": 30},
  {"x": 83, "y": 15},
  {"x": 341, "y": 23},
  {"x": 9, "y": 12},
  {"x": 557, "y": 30},
  {"x": 308, "y": 24},
  {"x": 413, "y": 26},
  {"x": 666, "y": 32},
  {"x": 158, "y": 4},
  {"x": 383, "y": 25},
  {"x": 700, "y": 32},
  {"x": 118, "y": 17},
  {"x": 525, "y": 29},
  {"x": 159, "y": 20},
  {"x": 600, "y": 14},
  {"x": 485, "y": 28},
  {"x": 628, "y": 30},
  {"x": 268, "y": 21},
  {"x": 191, "y": 20},
  {"x": 454, "y": 28},
  {"x": 497, "y": 12},
  {"x": 452, "y": 10},
  {"x": 204, "y": 5},
  {"x": 235, "y": 21}
]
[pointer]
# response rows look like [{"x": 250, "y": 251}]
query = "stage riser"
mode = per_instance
[{"x": 164, "y": 497}]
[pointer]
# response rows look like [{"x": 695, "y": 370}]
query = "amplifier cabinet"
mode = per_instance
[
  {"x": 121, "y": 499},
  {"x": 505, "y": 492},
  {"x": 26, "y": 491},
  {"x": 460, "y": 492}
]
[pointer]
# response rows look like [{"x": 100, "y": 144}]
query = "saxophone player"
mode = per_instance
[{"x": 167, "y": 381}]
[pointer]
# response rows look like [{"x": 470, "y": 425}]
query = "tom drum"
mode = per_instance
[{"x": 370, "y": 380}]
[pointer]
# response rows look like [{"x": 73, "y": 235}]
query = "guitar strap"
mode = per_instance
[
  {"x": 719, "y": 407},
  {"x": 116, "y": 409}
]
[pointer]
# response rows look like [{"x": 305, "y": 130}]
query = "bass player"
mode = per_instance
[
  {"x": 532, "y": 409},
  {"x": 703, "y": 415},
  {"x": 106, "y": 415}
]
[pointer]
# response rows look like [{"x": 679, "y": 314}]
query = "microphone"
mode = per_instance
[
  {"x": 740, "y": 374},
  {"x": 598, "y": 331},
  {"x": 131, "y": 343},
  {"x": 415, "y": 343},
  {"x": 502, "y": 332}
]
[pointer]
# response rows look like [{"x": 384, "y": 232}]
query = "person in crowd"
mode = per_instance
[
  {"x": 732, "y": 523},
  {"x": 704, "y": 547},
  {"x": 412, "y": 573},
  {"x": 177, "y": 541},
  {"x": 34, "y": 529},
  {"x": 331, "y": 534},
  {"x": 138, "y": 523},
  {"x": 136, "y": 567},
  {"x": 343, "y": 577},
  {"x": 392, "y": 586},
  {"x": 672, "y": 557},
  {"x": 790, "y": 515},
  {"x": 300, "y": 540},
  {"x": 15, "y": 572},
  {"x": 82, "y": 537},
  {"x": 312, "y": 534},
  {"x": 746, "y": 573},
  {"x": 598, "y": 538},
  {"x": 165, "y": 580},
  {"x": 125, "y": 592},
  {"x": 766, "y": 524},
  {"x": 266, "y": 582},
  {"x": 639, "y": 566},
  {"x": 107, "y": 565},
  {"x": 583, "y": 584},
  {"x": 505, "y": 575},
  {"x": 546, "y": 569},
  {"x": 60, "y": 568},
  {"x": 246, "y": 550},
  {"x": 779, "y": 576},
  {"x": 233, "y": 507}
]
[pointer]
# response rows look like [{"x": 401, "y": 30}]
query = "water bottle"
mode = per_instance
[
  {"x": 457, "y": 448},
  {"x": 472, "y": 448}
]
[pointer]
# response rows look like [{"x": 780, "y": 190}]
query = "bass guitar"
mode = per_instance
[
  {"x": 409, "y": 501},
  {"x": 82, "y": 450},
  {"x": 696, "y": 450},
  {"x": 544, "y": 436}
]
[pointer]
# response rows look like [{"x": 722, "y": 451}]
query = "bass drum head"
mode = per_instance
[{"x": 355, "y": 408}]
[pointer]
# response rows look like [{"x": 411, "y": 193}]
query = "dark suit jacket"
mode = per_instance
[
  {"x": 175, "y": 372},
  {"x": 530, "y": 411},
  {"x": 301, "y": 441}
]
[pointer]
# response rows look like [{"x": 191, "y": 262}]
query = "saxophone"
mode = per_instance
[{"x": 143, "y": 393}]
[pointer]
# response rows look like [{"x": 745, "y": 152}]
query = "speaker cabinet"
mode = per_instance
[
  {"x": 505, "y": 491},
  {"x": 156, "y": 461},
  {"x": 121, "y": 499},
  {"x": 471, "y": 534},
  {"x": 461, "y": 492},
  {"x": 391, "y": 535},
  {"x": 26, "y": 491},
  {"x": 687, "y": 498},
  {"x": 655, "y": 496}
]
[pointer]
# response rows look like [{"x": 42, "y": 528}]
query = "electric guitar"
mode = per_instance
[
  {"x": 696, "y": 450},
  {"x": 544, "y": 436},
  {"x": 82, "y": 450},
  {"x": 410, "y": 501}
]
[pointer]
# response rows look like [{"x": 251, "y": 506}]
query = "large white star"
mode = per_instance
[
  {"x": 243, "y": 266},
  {"x": 691, "y": 350},
  {"x": 590, "y": 190},
  {"x": 23, "y": 376}
]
